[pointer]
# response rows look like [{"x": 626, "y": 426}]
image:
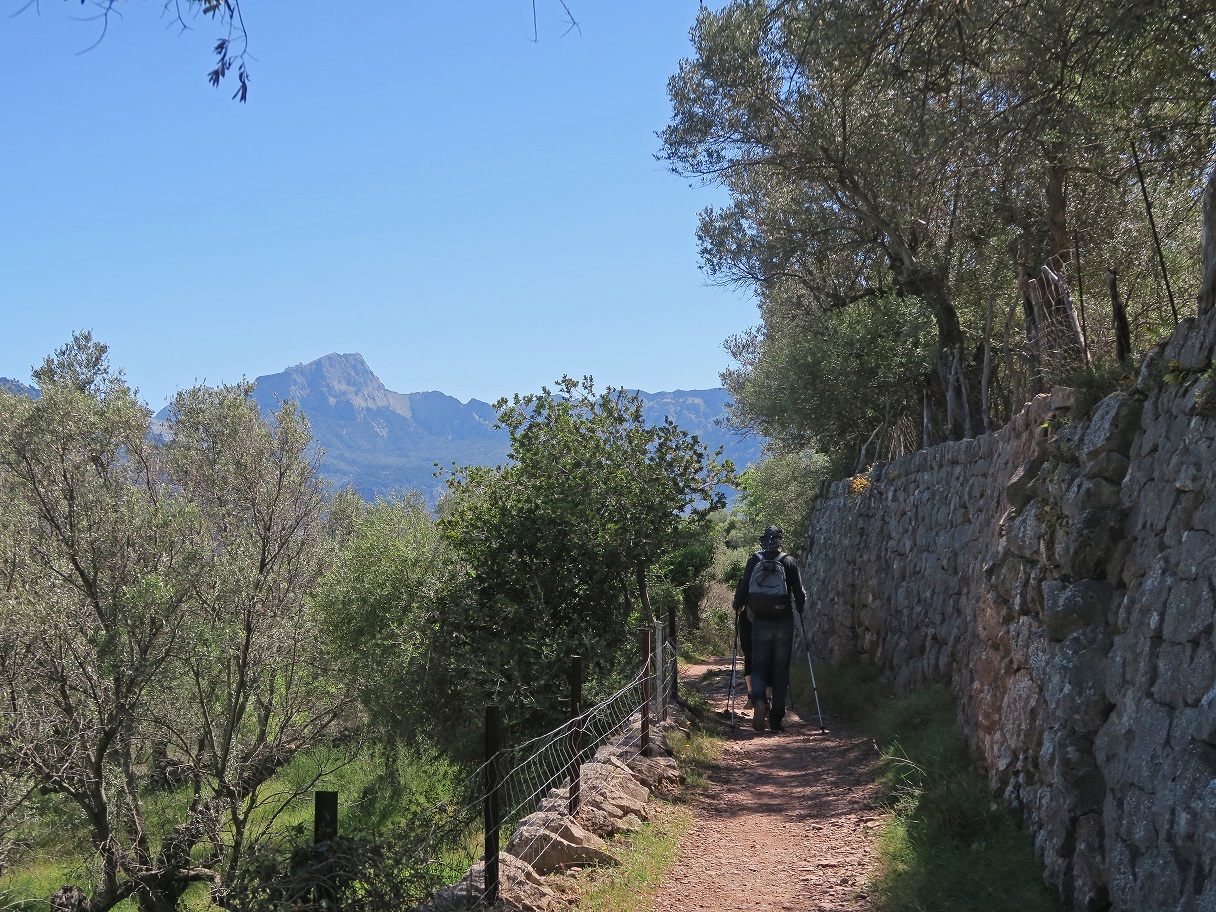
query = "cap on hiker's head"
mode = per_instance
[{"x": 772, "y": 537}]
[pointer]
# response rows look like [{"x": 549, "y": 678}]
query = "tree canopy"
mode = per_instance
[
  {"x": 940, "y": 155},
  {"x": 154, "y": 631},
  {"x": 564, "y": 542}
]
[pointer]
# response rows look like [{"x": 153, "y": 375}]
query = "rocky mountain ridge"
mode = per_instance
[{"x": 380, "y": 441}]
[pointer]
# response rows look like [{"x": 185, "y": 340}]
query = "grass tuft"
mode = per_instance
[{"x": 645, "y": 858}]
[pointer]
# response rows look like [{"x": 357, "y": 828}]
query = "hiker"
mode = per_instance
[{"x": 770, "y": 591}]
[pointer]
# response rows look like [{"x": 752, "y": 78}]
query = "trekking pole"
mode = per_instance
[
  {"x": 814, "y": 687},
  {"x": 734, "y": 659}
]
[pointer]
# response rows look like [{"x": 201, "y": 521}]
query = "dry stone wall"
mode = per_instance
[{"x": 1060, "y": 576}]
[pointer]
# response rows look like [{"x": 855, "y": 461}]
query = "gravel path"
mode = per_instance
[{"x": 787, "y": 823}]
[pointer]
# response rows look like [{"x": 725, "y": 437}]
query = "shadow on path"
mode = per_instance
[{"x": 788, "y": 821}]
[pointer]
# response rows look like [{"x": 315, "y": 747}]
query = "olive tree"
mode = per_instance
[{"x": 154, "y": 633}]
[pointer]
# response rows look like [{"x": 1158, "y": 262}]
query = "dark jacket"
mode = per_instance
[{"x": 793, "y": 580}]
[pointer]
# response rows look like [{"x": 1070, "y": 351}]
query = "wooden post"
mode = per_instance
[
  {"x": 325, "y": 829},
  {"x": 1123, "y": 333},
  {"x": 1152, "y": 224},
  {"x": 493, "y": 810},
  {"x": 1076, "y": 239},
  {"x": 325, "y": 816},
  {"x": 576, "y": 732}
]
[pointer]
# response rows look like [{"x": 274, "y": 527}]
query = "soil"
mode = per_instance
[{"x": 788, "y": 822}]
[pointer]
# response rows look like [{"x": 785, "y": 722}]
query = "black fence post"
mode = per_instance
[
  {"x": 493, "y": 806},
  {"x": 325, "y": 829},
  {"x": 325, "y": 816},
  {"x": 645, "y": 638},
  {"x": 576, "y": 733}
]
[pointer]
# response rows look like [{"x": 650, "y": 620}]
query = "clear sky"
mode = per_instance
[{"x": 416, "y": 181}]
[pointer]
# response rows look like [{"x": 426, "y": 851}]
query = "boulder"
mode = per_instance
[
  {"x": 521, "y": 889},
  {"x": 1017, "y": 491},
  {"x": 551, "y": 842},
  {"x": 1113, "y": 426}
]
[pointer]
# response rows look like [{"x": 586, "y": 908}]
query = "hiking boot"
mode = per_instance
[{"x": 759, "y": 715}]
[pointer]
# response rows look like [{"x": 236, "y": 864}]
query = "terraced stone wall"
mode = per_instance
[{"x": 1060, "y": 576}]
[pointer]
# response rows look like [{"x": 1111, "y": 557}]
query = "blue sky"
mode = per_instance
[{"x": 419, "y": 182}]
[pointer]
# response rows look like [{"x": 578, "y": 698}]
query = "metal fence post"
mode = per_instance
[
  {"x": 576, "y": 732},
  {"x": 492, "y": 807},
  {"x": 674, "y": 638},
  {"x": 660, "y": 695},
  {"x": 646, "y": 691}
]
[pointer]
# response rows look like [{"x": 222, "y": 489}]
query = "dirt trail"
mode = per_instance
[{"x": 787, "y": 823}]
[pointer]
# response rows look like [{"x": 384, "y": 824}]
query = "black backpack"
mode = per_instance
[{"x": 768, "y": 592}]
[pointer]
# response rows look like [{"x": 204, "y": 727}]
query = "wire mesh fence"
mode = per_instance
[{"x": 441, "y": 847}]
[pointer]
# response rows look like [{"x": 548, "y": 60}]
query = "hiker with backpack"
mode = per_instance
[{"x": 770, "y": 591}]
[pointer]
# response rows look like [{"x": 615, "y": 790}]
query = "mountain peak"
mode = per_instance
[{"x": 344, "y": 378}]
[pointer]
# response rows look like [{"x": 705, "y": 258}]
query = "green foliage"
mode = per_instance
[
  {"x": 781, "y": 489},
  {"x": 384, "y": 603},
  {"x": 829, "y": 379},
  {"x": 378, "y": 785},
  {"x": 937, "y": 155},
  {"x": 948, "y": 843},
  {"x": 153, "y": 629},
  {"x": 1095, "y": 383},
  {"x": 564, "y": 542}
]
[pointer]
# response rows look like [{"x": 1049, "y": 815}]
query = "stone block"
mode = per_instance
[
  {"x": 1195, "y": 555},
  {"x": 1092, "y": 536},
  {"x": 1113, "y": 426},
  {"x": 1121, "y": 868},
  {"x": 1090, "y": 494},
  {"x": 1024, "y": 532},
  {"x": 1130, "y": 746},
  {"x": 1082, "y": 604},
  {"x": 1117, "y": 563},
  {"x": 1110, "y": 465},
  {"x": 1151, "y": 370},
  {"x": 1089, "y": 876},
  {"x": 1191, "y": 462},
  {"x": 1202, "y": 673},
  {"x": 1137, "y": 826},
  {"x": 1017, "y": 491},
  {"x": 1204, "y": 517},
  {"x": 521, "y": 889},
  {"x": 1173, "y": 663},
  {"x": 1158, "y": 881},
  {"x": 1203, "y": 726},
  {"x": 1151, "y": 509},
  {"x": 1144, "y": 607},
  {"x": 1189, "y": 611},
  {"x": 1063, "y": 397},
  {"x": 1199, "y": 394},
  {"x": 1075, "y": 683},
  {"x": 1195, "y": 352}
]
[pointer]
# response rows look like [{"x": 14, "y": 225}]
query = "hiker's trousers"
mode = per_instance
[{"x": 772, "y": 647}]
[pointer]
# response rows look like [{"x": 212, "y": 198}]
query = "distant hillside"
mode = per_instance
[
  {"x": 16, "y": 386},
  {"x": 375, "y": 439},
  {"x": 380, "y": 441}
]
